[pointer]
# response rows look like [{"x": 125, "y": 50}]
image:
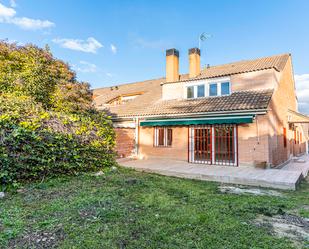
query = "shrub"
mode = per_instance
[
  {"x": 37, "y": 143},
  {"x": 33, "y": 71},
  {"x": 47, "y": 123}
]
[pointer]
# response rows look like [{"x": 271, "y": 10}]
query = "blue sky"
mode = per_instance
[{"x": 112, "y": 42}]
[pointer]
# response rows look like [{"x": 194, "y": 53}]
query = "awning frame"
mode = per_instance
[{"x": 239, "y": 119}]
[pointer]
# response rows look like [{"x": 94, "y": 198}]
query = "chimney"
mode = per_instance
[
  {"x": 172, "y": 65},
  {"x": 194, "y": 62}
]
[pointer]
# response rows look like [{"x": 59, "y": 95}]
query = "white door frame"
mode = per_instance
[{"x": 213, "y": 159}]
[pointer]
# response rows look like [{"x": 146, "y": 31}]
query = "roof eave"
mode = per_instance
[{"x": 198, "y": 114}]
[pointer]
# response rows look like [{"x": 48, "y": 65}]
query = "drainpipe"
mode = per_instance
[
  {"x": 257, "y": 129},
  {"x": 136, "y": 135}
]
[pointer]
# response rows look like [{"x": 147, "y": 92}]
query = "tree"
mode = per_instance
[{"x": 32, "y": 71}]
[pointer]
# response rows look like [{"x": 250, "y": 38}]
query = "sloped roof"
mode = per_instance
[
  {"x": 151, "y": 93},
  {"x": 242, "y": 100},
  {"x": 276, "y": 62},
  {"x": 297, "y": 117},
  {"x": 150, "y": 102}
]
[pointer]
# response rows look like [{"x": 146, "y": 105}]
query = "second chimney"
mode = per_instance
[
  {"x": 194, "y": 62},
  {"x": 172, "y": 65}
]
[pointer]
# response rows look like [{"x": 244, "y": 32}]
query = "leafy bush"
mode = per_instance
[
  {"x": 47, "y": 123},
  {"x": 35, "y": 143},
  {"x": 32, "y": 71}
]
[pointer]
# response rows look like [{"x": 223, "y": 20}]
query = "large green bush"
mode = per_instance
[
  {"x": 47, "y": 123},
  {"x": 32, "y": 71},
  {"x": 35, "y": 143}
]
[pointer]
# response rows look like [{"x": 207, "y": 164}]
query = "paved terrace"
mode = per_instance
[{"x": 287, "y": 177}]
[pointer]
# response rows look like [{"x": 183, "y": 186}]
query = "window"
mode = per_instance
[
  {"x": 190, "y": 92},
  {"x": 213, "y": 89},
  {"x": 219, "y": 89},
  {"x": 124, "y": 98},
  {"x": 225, "y": 88},
  {"x": 205, "y": 88},
  {"x": 163, "y": 137},
  {"x": 284, "y": 137},
  {"x": 169, "y": 137},
  {"x": 201, "y": 91},
  {"x": 160, "y": 136},
  {"x": 197, "y": 91}
]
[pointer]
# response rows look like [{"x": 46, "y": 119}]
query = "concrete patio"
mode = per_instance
[{"x": 287, "y": 177}]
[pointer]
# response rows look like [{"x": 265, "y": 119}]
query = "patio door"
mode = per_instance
[
  {"x": 213, "y": 144},
  {"x": 225, "y": 145},
  {"x": 202, "y": 144}
]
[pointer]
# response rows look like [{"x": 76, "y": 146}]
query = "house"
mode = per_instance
[{"x": 241, "y": 113}]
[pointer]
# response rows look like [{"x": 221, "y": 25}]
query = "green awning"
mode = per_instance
[{"x": 199, "y": 121}]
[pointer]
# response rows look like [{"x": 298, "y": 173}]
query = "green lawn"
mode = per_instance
[{"x": 128, "y": 209}]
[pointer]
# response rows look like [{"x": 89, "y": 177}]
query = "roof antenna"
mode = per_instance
[{"x": 203, "y": 37}]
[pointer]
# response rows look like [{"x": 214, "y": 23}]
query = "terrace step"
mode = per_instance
[{"x": 270, "y": 178}]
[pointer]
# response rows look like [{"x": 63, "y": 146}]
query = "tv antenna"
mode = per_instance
[{"x": 203, "y": 37}]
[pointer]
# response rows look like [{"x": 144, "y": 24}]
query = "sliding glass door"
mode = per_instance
[
  {"x": 202, "y": 144},
  {"x": 225, "y": 153},
  {"x": 214, "y": 144}
]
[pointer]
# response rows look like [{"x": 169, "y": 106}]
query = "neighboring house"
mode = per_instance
[{"x": 242, "y": 113}]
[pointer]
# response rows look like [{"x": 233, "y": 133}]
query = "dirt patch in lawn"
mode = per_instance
[
  {"x": 290, "y": 226},
  {"x": 38, "y": 239},
  {"x": 132, "y": 181},
  {"x": 253, "y": 191},
  {"x": 305, "y": 207}
]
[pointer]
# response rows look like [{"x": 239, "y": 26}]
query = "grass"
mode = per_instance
[{"x": 128, "y": 209}]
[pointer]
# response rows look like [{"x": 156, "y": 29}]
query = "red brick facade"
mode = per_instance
[{"x": 125, "y": 141}]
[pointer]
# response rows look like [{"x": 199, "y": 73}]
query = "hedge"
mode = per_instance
[{"x": 36, "y": 143}]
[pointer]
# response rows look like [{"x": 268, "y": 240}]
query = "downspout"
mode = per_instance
[
  {"x": 257, "y": 129},
  {"x": 136, "y": 136}
]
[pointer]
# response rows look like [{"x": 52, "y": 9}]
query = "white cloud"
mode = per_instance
[
  {"x": 302, "y": 90},
  {"x": 109, "y": 75},
  {"x": 6, "y": 12},
  {"x": 32, "y": 24},
  {"x": 8, "y": 15},
  {"x": 85, "y": 67},
  {"x": 113, "y": 49},
  {"x": 13, "y": 3},
  {"x": 91, "y": 45}
]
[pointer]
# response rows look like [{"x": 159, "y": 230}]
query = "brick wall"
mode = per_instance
[
  {"x": 251, "y": 148},
  {"x": 178, "y": 150},
  {"x": 125, "y": 141},
  {"x": 271, "y": 139},
  {"x": 264, "y": 79},
  {"x": 283, "y": 99},
  {"x": 253, "y": 142},
  {"x": 173, "y": 91}
]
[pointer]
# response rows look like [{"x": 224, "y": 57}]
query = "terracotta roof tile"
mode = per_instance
[
  {"x": 151, "y": 94},
  {"x": 150, "y": 103},
  {"x": 148, "y": 88},
  {"x": 276, "y": 62},
  {"x": 242, "y": 100}
]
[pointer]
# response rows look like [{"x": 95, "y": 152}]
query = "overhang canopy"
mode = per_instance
[
  {"x": 199, "y": 121},
  {"x": 297, "y": 118}
]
